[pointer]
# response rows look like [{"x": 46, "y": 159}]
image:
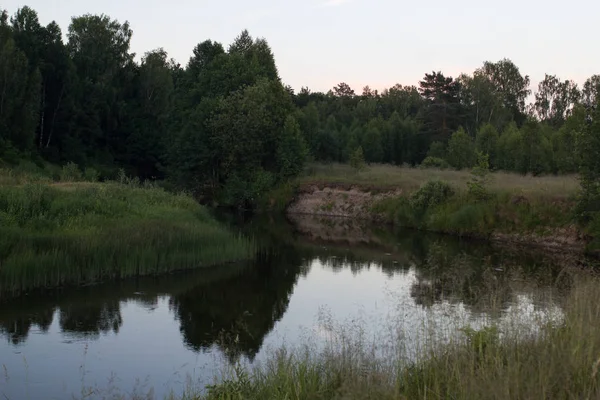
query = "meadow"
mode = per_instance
[
  {"x": 73, "y": 232},
  {"x": 386, "y": 177}
]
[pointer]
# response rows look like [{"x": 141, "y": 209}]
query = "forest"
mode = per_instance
[{"x": 225, "y": 125}]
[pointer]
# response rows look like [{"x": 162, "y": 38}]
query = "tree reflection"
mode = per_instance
[
  {"x": 91, "y": 319},
  {"x": 16, "y": 325},
  {"x": 483, "y": 279},
  {"x": 236, "y": 314}
]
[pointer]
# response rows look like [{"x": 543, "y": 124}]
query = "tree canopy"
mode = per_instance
[{"x": 225, "y": 126}]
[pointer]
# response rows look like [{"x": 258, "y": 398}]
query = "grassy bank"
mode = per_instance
[
  {"x": 561, "y": 361},
  {"x": 458, "y": 212},
  {"x": 511, "y": 206},
  {"x": 73, "y": 233},
  {"x": 387, "y": 177}
]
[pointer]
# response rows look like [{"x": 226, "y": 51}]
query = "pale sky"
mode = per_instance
[{"x": 319, "y": 43}]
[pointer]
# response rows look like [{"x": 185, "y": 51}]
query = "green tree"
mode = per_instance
[
  {"x": 310, "y": 125},
  {"x": 19, "y": 92},
  {"x": 486, "y": 142},
  {"x": 480, "y": 178},
  {"x": 372, "y": 142},
  {"x": 153, "y": 108},
  {"x": 511, "y": 86},
  {"x": 564, "y": 140},
  {"x": 246, "y": 133},
  {"x": 555, "y": 99},
  {"x": 442, "y": 104},
  {"x": 357, "y": 160},
  {"x": 509, "y": 148},
  {"x": 437, "y": 150},
  {"x": 292, "y": 151},
  {"x": 99, "y": 48},
  {"x": 461, "y": 150},
  {"x": 591, "y": 89},
  {"x": 588, "y": 148}
]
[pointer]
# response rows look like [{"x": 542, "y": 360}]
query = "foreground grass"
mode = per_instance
[
  {"x": 386, "y": 177},
  {"x": 54, "y": 234},
  {"x": 562, "y": 361}
]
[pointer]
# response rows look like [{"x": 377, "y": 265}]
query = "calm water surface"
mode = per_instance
[{"x": 312, "y": 276}]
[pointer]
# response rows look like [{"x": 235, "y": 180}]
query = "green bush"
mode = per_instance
[
  {"x": 91, "y": 175},
  {"x": 431, "y": 194},
  {"x": 435, "y": 162},
  {"x": 70, "y": 173}
]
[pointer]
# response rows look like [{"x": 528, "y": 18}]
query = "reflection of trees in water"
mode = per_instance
[
  {"x": 485, "y": 280},
  {"x": 91, "y": 319},
  {"x": 16, "y": 326},
  {"x": 237, "y": 313}
]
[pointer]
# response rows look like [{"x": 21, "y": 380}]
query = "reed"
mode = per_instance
[
  {"x": 55, "y": 234},
  {"x": 561, "y": 360}
]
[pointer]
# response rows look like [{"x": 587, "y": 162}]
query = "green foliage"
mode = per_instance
[
  {"x": 357, "y": 160},
  {"x": 434, "y": 162},
  {"x": 91, "y": 175},
  {"x": 588, "y": 145},
  {"x": 486, "y": 142},
  {"x": 222, "y": 116},
  {"x": 84, "y": 233},
  {"x": 70, "y": 173},
  {"x": 437, "y": 150},
  {"x": 461, "y": 150},
  {"x": 431, "y": 194},
  {"x": 477, "y": 186},
  {"x": 293, "y": 151}
]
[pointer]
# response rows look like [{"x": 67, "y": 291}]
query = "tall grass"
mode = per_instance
[
  {"x": 562, "y": 360},
  {"x": 76, "y": 233},
  {"x": 386, "y": 177},
  {"x": 463, "y": 215}
]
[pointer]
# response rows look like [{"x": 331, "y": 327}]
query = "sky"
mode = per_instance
[{"x": 320, "y": 43}]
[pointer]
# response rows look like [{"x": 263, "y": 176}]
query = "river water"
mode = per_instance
[{"x": 312, "y": 282}]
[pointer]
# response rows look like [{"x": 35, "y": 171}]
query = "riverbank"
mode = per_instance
[
  {"x": 559, "y": 361},
  {"x": 77, "y": 233},
  {"x": 515, "y": 208}
]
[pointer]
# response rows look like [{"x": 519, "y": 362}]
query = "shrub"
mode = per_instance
[
  {"x": 70, "y": 173},
  {"x": 480, "y": 177},
  {"x": 91, "y": 175},
  {"x": 431, "y": 194},
  {"x": 434, "y": 162},
  {"x": 357, "y": 160}
]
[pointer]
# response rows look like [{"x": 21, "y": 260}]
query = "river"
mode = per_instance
[{"x": 313, "y": 282}]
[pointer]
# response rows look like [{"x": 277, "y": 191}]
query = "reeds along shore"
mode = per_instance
[
  {"x": 73, "y": 233},
  {"x": 562, "y": 361}
]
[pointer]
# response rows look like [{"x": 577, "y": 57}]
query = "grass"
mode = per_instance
[
  {"x": 387, "y": 177},
  {"x": 526, "y": 207},
  {"x": 560, "y": 361},
  {"x": 74, "y": 233}
]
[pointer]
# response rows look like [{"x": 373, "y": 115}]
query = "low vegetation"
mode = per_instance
[
  {"x": 385, "y": 177},
  {"x": 64, "y": 233},
  {"x": 559, "y": 361}
]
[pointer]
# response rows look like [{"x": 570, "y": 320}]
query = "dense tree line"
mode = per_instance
[
  {"x": 444, "y": 121},
  {"x": 225, "y": 125}
]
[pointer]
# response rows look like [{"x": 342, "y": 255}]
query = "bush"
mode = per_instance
[
  {"x": 357, "y": 160},
  {"x": 480, "y": 178},
  {"x": 434, "y": 162},
  {"x": 70, "y": 173},
  {"x": 91, "y": 175},
  {"x": 431, "y": 194}
]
